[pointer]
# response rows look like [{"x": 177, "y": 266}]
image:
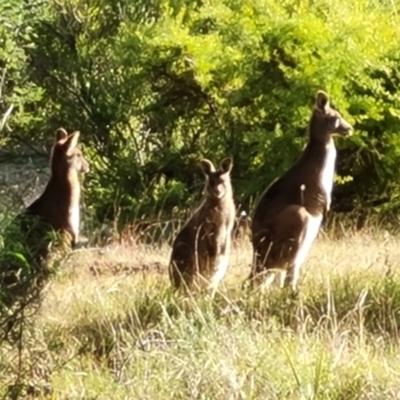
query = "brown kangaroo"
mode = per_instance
[
  {"x": 200, "y": 251},
  {"x": 57, "y": 209},
  {"x": 288, "y": 215},
  {"x": 32, "y": 232}
]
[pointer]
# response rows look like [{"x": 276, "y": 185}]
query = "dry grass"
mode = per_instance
[{"x": 111, "y": 327}]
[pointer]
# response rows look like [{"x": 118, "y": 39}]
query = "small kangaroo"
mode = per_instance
[
  {"x": 200, "y": 251},
  {"x": 57, "y": 209},
  {"x": 288, "y": 215}
]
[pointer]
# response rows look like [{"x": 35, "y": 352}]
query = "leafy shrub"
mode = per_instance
[{"x": 155, "y": 85}]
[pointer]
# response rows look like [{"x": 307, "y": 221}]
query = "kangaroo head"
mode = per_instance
[
  {"x": 327, "y": 120},
  {"x": 218, "y": 182},
  {"x": 66, "y": 157}
]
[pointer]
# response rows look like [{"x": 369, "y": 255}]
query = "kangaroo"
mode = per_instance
[
  {"x": 57, "y": 209},
  {"x": 200, "y": 251},
  {"x": 288, "y": 215}
]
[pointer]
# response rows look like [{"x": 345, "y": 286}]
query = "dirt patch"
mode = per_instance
[{"x": 121, "y": 259}]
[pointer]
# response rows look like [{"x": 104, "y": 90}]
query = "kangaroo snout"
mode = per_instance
[
  {"x": 84, "y": 167},
  {"x": 345, "y": 129}
]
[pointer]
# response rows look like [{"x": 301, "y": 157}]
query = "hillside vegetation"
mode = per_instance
[{"x": 155, "y": 85}]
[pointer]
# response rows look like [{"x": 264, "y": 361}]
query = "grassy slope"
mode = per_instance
[{"x": 111, "y": 328}]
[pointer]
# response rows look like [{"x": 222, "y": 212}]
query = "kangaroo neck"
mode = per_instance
[
  {"x": 66, "y": 189},
  {"x": 215, "y": 202},
  {"x": 317, "y": 151}
]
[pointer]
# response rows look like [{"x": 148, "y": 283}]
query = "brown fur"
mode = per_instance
[
  {"x": 200, "y": 251},
  {"x": 57, "y": 209},
  {"x": 52, "y": 221},
  {"x": 281, "y": 218}
]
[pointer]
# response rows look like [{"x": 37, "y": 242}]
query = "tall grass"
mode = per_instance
[{"x": 112, "y": 328}]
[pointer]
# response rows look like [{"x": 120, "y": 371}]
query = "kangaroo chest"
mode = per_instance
[
  {"x": 214, "y": 224},
  {"x": 74, "y": 213},
  {"x": 311, "y": 231},
  {"x": 328, "y": 172},
  {"x": 74, "y": 218}
]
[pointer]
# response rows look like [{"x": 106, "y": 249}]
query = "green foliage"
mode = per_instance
[
  {"x": 19, "y": 94},
  {"x": 29, "y": 254},
  {"x": 155, "y": 85}
]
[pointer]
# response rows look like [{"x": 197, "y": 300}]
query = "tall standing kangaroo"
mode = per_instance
[
  {"x": 55, "y": 211},
  {"x": 200, "y": 251},
  {"x": 289, "y": 213},
  {"x": 58, "y": 206}
]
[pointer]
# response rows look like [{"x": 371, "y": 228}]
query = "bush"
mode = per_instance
[{"x": 155, "y": 85}]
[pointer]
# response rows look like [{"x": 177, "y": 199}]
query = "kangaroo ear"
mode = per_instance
[
  {"x": 226, "y": 165},
  {"x": 322, "y": 101},
  {"x": 61, "y": 135},
  {"x": 72, "y": 141},
  {"x": 207, "y": 166}
]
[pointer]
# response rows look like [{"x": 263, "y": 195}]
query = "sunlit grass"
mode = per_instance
[{"x": 111, "y": 327}]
